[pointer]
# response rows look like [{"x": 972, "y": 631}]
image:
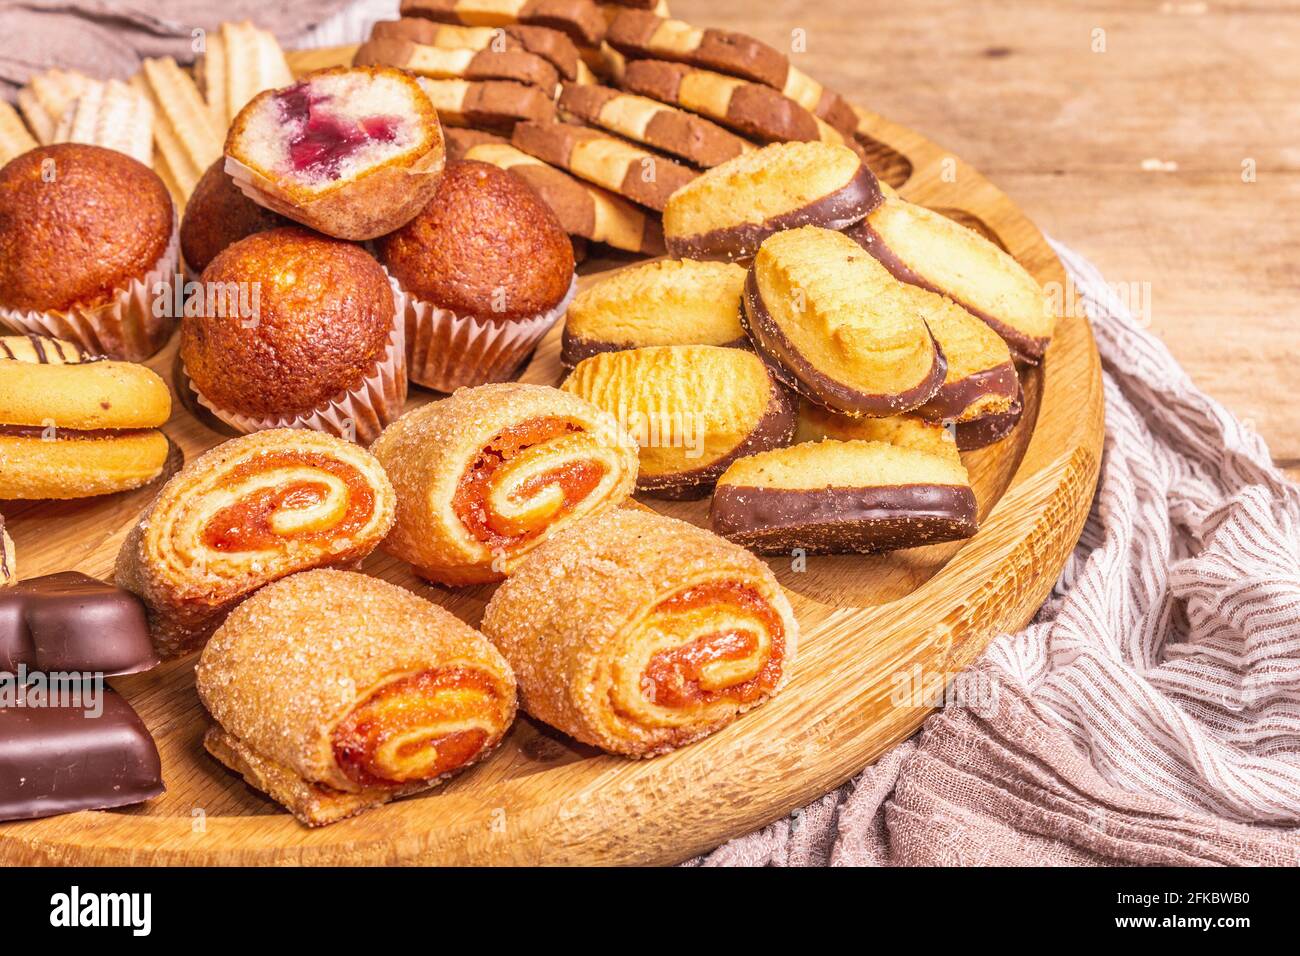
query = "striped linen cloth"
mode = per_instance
[{"x": 1150, "y": 714}]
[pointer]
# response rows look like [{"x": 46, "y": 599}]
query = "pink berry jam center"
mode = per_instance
[{"x": 322, "y": 140}]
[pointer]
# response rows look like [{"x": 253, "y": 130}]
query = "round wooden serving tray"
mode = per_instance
[{"x": 543, "y": 798}]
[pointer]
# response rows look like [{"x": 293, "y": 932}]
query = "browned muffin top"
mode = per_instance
[
  {"x": 77, "y": 224},
  {"x": 486, "y": 245},
  {"x": 324, "y": 311},
  {"x": 217, "y": 215}
]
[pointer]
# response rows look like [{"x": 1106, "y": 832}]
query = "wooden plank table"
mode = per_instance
[{"x": 1133, "y": 155}]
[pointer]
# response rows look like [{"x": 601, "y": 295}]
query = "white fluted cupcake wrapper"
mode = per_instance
[
  {"x": 131, "y": 326},
  {"x": 446, "y": 351},
  {"x": 357, "y": 415}
]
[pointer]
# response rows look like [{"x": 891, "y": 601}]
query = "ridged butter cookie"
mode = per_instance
[
  {"x": 693, "y": 409},
  {"x": 836, "y": 326},
  {"x": 670, "y": 302},
  {"x": 835, "y": 497},
  {"x": 728, "y": 211}
]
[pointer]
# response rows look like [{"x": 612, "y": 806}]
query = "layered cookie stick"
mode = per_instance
[
  {"x": 752, "y": 109},
  {"x": 334, "y": 692},
  {"x": 693, "y": 409},
  {"x": 638, "y": 633},
  {"x": 642, "y": 35},
  {"x": 728, "y": 211},
  {"x": 672, "y": 302},
  {"x": 441, "y": 64},
  {"x": 496, "y": 105},
  {"x": 246, "y": 513},
  {"x": 584, "y": 210},
  {"x": 836, "y": 326},
  {"x": 113, "y": 115},
  {"x": 187, "y": 135},
  {"x": 240, "y": 61},
  {"x": 486, "y": 475},
  {"x": 581, "y": 20},
  {"x": 929, "y": 250},
  {"x": 14, "y": 136},
  {"x": 551, "y": 45},
  {"x": 607, "y": 161},
  {"x": 643, "y": 120},
  {"x": 833, "y": 497},
  {"x": 73, "y": 428}
]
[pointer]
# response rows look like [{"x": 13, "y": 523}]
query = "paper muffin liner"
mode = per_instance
[
  {"x": 358, "y": 414},
  {"x": 126, "y": 327},
  {"x": 446, "y": 351}
]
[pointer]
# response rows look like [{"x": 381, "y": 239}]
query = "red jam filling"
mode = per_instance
[
  {"x": 577, "y": 480},
  {"x": 675, "y": 674},
  {"x": 246, "y": 525},
  {"x": 407, "y": 705},
  {"x": 324, "y": 140}
]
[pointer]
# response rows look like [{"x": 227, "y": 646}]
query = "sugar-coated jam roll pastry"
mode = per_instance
[
  {"x": 485, "y": 476},
  {"x": 639, "y": 633},
  {"x": 72, "y": 427},
  {"x": 931, "y": 251},
  {"x": 833, "y": 497},
  {"x": 693, "y": 409},
  {"x": 981, "y": 390},
  {"x": 839, "y": 328},
  {"x": 728, "y": 211},
  {"x": 351, "y": 152},
  {"x": 671, "y": 302},
  {"x": 333, "y": 692},
  {"x": 250, "y": 511}
]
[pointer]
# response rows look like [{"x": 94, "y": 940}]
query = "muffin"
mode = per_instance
[
  {"x": 217, "y": 215},
  {"x": 86, "y": 236},
  {"x": 351, "y": 152},
  {"x": 480, "y": 274},
  {"x": 320, "y": 346}
]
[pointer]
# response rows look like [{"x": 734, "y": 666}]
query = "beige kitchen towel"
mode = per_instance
[
  {"x": 108, "y": 38},
  {"x": 1150, "y": 714}
]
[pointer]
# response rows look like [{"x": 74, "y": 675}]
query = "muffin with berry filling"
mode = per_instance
[{"x": 351, "y": 152}]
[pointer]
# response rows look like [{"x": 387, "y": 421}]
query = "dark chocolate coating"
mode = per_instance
[
  {"x": 774, "y": 430},
  {"x": 953, "y": 399},
  {"x": 989, "y": 429},
  {"x": 58, "y": 759},
  {"x": 1027, "y": 348},
  {"x": 789, "y": 364},
  {"x": 71, "y": 622},
  {"x": 842, "y": 520},
  {"x": 853, "y": 202}
]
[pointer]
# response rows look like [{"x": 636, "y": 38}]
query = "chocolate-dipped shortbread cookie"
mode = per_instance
[
  {"x": 981, "y": 380},
  {"x": 671, "y": 302},
  {"x": 728, "y": 211},
  {"x": 834, "y": 497},
  {"x": 906, "y": 431},
  {"x": 929, "y": 250},
  {"x": 694, "y": 409},
  {"x": 656, "y": 124},
  {"x": 643, "y": 35},
  {"x": 609, "y": 161},
  {"x": 835, "y": 325}
]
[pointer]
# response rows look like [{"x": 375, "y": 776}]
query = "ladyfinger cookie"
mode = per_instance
[
  {"x": 441, "y": 64},
  {"x": 637, "y": 35},
  {"x": 584, "y": 210},
  {"x": 682, "y": 134},
  {"x": 551, "y": 45},
  {"x": 493, "y": 104},
  {"x": 608, "y": 161},
  {"x": 580, "y": 19}
]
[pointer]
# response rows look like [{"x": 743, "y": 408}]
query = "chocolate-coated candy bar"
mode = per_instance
[
  {"x": 71, "y": 622},
  {"x": 72, "y": 747}
]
